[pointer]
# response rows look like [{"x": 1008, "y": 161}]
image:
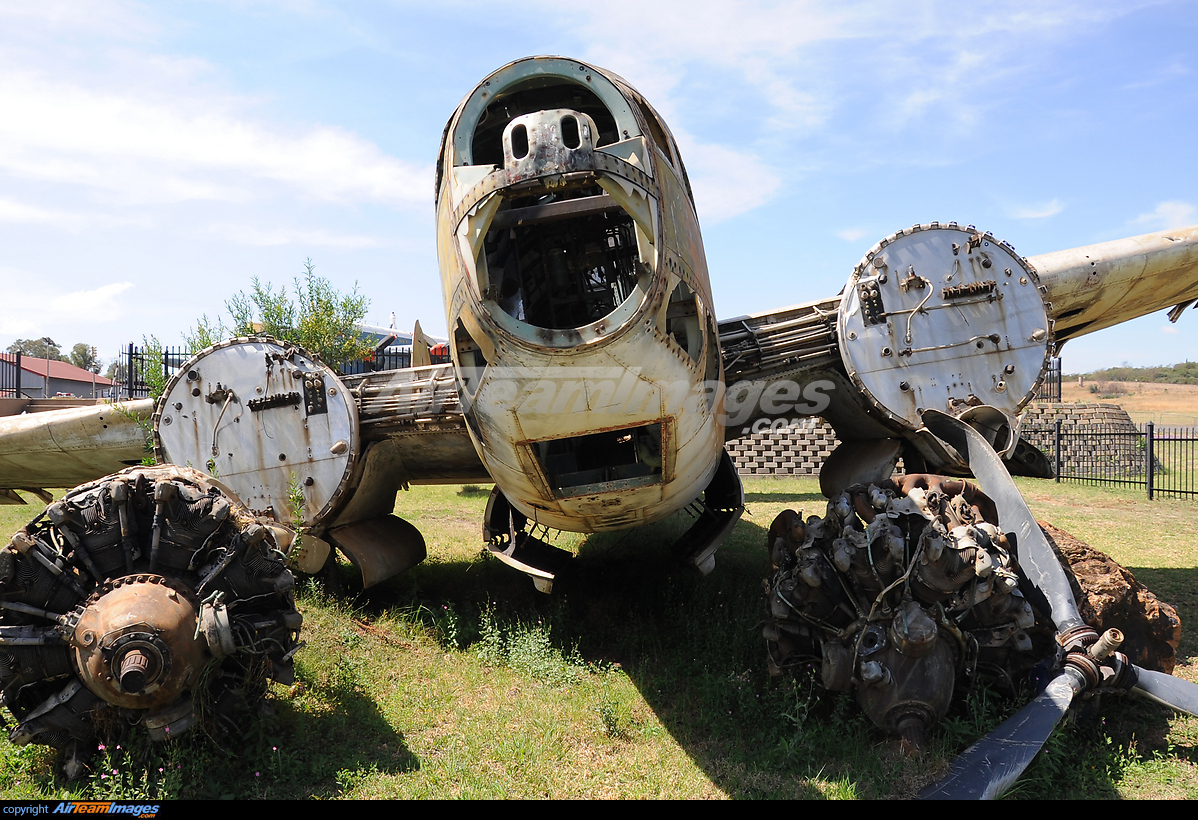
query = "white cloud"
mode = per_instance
[
  {"x": 27, "y": 309},
  {"x": 89, "y": 302},
  {"x": 727, "y": 182},
  {"x": 11, "y": 211},
  {"x": 145, "y": 150},
  {"x": 851, "y": 234},
  {"x": 22, "y": 212},
  {"x": 1042, "y": 211},
  {"x": 1167, "y": 215},
  {"x": 1170, "y": 72},
  {"x": 55, "y": 16},
  {"x": 1170, "y": 329},
  {"x": 789, "y": 71}
]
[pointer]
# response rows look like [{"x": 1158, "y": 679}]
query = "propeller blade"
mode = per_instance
[
  {"x": 1036, "y": 558},
  {"x": 1172, "y": 692},
  {"x": 988, "y": 768}
]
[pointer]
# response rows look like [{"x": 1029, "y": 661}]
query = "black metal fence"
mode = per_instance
[
  {"x": 1163, "y": 460},
  {"x": 393, "y": 358},
  {"x": 139, "y": 369},
  {"x": 10, "y": 376},
  {"x": 1050, "y": 388}
]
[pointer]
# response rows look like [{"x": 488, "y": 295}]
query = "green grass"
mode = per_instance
[{"x": 636, "y": 678}]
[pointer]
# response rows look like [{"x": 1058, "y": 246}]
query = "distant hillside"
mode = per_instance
[{"x": 1184, "y": 373}]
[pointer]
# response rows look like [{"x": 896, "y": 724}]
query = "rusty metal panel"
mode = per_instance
[
  {"x": 943, "y": 317},
  {"x": 381, "y": 547},
  {"x": 599, "y": 160},
  {"x": 268, "y": 420}
]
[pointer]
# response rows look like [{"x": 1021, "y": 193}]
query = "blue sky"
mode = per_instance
[{"x": 155, "y": 156}]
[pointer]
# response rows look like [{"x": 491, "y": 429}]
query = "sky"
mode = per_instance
[{"x": 154, "y": 157}]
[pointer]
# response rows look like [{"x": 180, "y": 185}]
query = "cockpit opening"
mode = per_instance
[
  {"x": 562, "y": 259},
  {"x": 682, "y": 321}
]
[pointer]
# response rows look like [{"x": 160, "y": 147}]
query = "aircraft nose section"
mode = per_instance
[{"x": 557, "y": 141}]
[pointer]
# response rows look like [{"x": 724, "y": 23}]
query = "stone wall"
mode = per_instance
[
  {"x": 1045, "y": 414},
  {"x": 801, "y": 450}
]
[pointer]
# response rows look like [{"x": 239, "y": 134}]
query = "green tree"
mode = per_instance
[
  {"x": 43, "y": 348},
  {"x": 84, "y": 355},
  {"x": 320, "y": 319},
  {"x": 116, "y": 370}
]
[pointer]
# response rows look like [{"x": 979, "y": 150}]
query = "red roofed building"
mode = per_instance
[{"x": 44, "y": 378}]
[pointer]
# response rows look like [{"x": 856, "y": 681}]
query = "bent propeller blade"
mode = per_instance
[
  {"x": 1036, "y": 558},
  {"x": 988, "y": 768}
]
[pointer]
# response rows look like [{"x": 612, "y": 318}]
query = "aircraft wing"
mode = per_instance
[
  {"x": 412, "y": 431},
  {"x": 64, "y": 448},
  {"x": 1102, "y": 285}
]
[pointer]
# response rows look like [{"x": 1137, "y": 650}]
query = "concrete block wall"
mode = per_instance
[
  {"x": 798, "y": 450},
  {"x": 802, "y": 449},
  {"x": 1112, "y": 444},
  {"x": 1045, "y": 414}
]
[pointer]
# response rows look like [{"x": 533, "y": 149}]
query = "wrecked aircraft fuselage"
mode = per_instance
[{"x": 578, "y": 300}]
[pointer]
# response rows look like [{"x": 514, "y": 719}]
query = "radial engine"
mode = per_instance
[
  {"x": 151, "y": 596},
  {"x": 898, "y": 591}
]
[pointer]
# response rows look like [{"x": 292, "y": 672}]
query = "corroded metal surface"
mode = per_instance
[
  {"x": 380, "y": 547},
  {"x": 116, "y": 602},
  {"x": 577, "y": 292},
  {"x": 270, "y": 421},
  {"x": 943, "y": 317},
  {"x": 897, "y": 591},
  {"x": 1101, "y": 285},
  {"x": 62, "y": 448},
  {"x": 780, "y": 342},
  {"x": 137, "y": 646}
]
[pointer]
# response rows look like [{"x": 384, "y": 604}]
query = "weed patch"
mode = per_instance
[{"x": 527, "y": 649}]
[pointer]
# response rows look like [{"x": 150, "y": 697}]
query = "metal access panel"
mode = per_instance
[
  {"x": 943, "y": 317},
  {"x": 269, "y": 421}
]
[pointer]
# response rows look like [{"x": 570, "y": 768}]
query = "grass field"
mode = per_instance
[{"x": 636, "y": 678}]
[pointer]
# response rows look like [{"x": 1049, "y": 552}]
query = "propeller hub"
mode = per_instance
[{"x": 135, "y": 642}]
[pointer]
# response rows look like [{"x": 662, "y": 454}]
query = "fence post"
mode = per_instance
[
  {"x": 1148, "y": 455},
  {"x": 17, "y": 395},
  {"x": 1057, "y": 444}
]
